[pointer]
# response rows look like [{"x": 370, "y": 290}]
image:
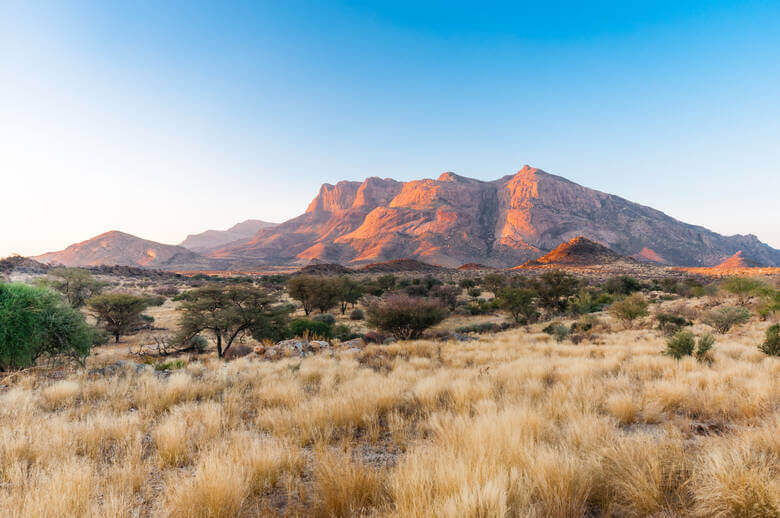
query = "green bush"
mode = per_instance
[
  {"x": 724, "y": 319},
  {"x": 343, "y": 332},
  {"x": 771, "y": 345},
  {"x": 630, "y": 308},
  {"x": 622, "y": 285},
  {"x": 684, "y": 343},
  {"x": 325, "y": 318},
  {"x": 558, "y": 331},
  {"x": 35, "y": 323},
  {"x": 303, "y": 327},
  {"x": 403, "y": 316},
  {"x": 669, "y": 323},
  {"x": 681, "y": 344},
  {"x": 357, "y": 314},
  {"x": 485, "y": 327}
]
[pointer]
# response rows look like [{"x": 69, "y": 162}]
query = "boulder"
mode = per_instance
[
  {"x": 356, "y": 343},
  {"x": 237, "y": 351}
]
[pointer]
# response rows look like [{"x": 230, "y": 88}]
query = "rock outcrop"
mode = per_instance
[{"x": 455, "y": 220}]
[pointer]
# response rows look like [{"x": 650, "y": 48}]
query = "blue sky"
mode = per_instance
[{"x": 167, "y": 118}]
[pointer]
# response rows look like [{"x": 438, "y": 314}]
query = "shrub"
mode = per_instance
[
  {"x": 584, "y": 303},
  {"x": 343, "y": 332},
  {"x": 375, "y": 337},
  {"x": 403, "y": 316},
  {"x": 304, "y": 327},
  {"x": 447, "y": 295},
  {"x": 771, "y": 345},
  {"x": 167, "y": 291},
  {"x": 622, "y": 285},
  {"x": 704, "y": 346},
  {"x": 685, "y": 343},
  {"x": 558, "y": 331},
  {"x": 630, "y": 308},
  {"x": 474, "y": 292},
  {"x": 416, "y": 290},
  {"x": 485, "y": 327},
  {"x": 724, "y": 319},
  {"x": 669, "y": 323},
  {"x": 326, "y": 318},
  {"x": 35, "y": 322},
  {"x": 76, "y": 284},
  {"x": 681, "y": 344},
  {"x": 357, "y": 314},
  {"x": 554, "y": 288}
]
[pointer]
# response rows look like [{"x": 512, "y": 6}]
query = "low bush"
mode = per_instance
[
  {"x": 630, "y": 308},
  {"x": 306, "y": 328},
  {"x": 685, "y": 343},
  {"x": 343, "y": 332},
  {"x": 723, "y": 319},
  {"x": 622, "y": 285},
  {"x": 403, "y": 316},
  {"x": 357, "y": 314},
  {"x": 325, "y": 318},
  {"x": 558, "y": 331},
  {"x": 771, "y": 345},
  {"x": 375, "y": 337},
  {"x": 669, "y": 323},
  {"x": 485, "y": 327}
]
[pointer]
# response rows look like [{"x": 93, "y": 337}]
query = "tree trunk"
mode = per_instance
[{"x": 219, "y": 344}]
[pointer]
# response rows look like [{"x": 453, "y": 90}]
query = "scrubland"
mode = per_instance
[{"x": 513, "y": 424}]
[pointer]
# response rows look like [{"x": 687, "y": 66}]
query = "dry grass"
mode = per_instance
[{"x": 511, "y": 425}]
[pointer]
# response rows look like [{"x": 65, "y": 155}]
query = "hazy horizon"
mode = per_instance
[{"x": 171, "y": 119}]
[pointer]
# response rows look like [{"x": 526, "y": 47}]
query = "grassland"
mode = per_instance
[{"x": 513, "y": 424}]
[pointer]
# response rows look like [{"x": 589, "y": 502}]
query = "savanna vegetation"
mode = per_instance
[{"x": 415, "y": 395}]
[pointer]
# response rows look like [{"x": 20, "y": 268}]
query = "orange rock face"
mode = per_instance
[{"x": 455, "y": 220}]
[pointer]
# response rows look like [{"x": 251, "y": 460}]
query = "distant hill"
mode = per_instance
[
  {"x": 211, "y": 239},
  {"x": 401, "y": 265},
  {"x": 119, "y": 248},
  {"x": 737, "y": 261},
  {"x": 578, "y": 252}
]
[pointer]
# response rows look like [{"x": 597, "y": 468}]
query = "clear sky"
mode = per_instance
[{"x": 167, "y": 118}]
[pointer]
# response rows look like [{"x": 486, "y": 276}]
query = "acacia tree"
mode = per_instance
[
  {"x": 554, "y": 289},
  {"x": 118, "y": 313},
  {"x": 520, "y": 303},
  {"x": 76, "y": 284},
  {"x": 313, "y": 292},
  {"x": 404, "y": 316},
  {"x": 348, "y": 291},
  {"x": 229, "y": 312}
]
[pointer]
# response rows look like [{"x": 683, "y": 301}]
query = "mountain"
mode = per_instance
[
  {"x": 455, "y": 220},
  {"x": 578, "y": 252},
  {"x": 211, "y": 239},
  {"x": 118, "y": 248}
]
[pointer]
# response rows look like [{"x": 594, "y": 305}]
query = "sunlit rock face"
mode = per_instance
[{"x": 454, "y": 220}]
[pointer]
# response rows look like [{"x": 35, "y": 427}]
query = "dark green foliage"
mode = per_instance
[
  {"x": 325, "y": 318},
  {"x": 771, "y": 345},
  {"x": 669, "y": 323},
  {"x": 723, "y": 319},
  {"x": 587, "y": 301},
  {"x": 118, "y": 313},
  {"x": 76, "y": 284},
  {"x": 553, "y": 289},
  {"x": 685, "y": 343},
  {"x": 467, "y": 283},
  {"x": 558, "y": 331},
  {"x": 313, "y": 292},
  {"x": 474, "y": 292},
  {"x": 348, "y": 291},
  {"x": 170, "y": 365},
  {"x": 304, "y": 327},
  {"x": 520, "y": 303},
  {"x": 35, "y": 323},
  {"x": 622, "y": 285},
  {"x": 416, "y": 290},
  {"x": 357, "y": 314},
  {"x": 481, "y": 306},
  {"x": 230, "y": 312},
  {"x": 403, "y": 316},
  {"x": 343, "y": 332}
]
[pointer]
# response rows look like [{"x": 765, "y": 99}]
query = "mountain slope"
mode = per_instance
[
  {"x": 119, "y": 248},
  {"x": 455, "y": 220},
  {"x": 211, "y": 239}
]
